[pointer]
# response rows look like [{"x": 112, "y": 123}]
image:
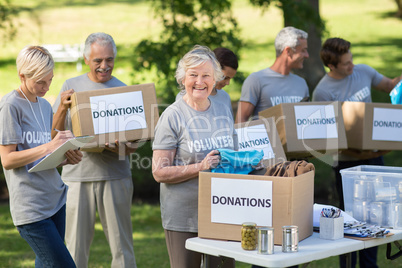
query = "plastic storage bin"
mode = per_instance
[{"x": 373, "y": 194}]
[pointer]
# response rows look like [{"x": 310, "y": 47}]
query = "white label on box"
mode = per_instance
[
  {"x": 255, "y": 137},
  {"x": 315, "y": 122},
  {"x": 387, "y": 124},
  {"x": 234, "y": 201},
  {"x": 118, "y": 112}
]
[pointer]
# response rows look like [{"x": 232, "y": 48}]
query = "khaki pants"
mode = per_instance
[
  {"x": 180, "y": 257},
  {"x": 112, "y": 199}
]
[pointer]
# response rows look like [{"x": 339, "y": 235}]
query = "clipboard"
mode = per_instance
[{"x": 57, "y": 156}]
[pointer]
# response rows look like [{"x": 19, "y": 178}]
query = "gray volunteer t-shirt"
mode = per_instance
[
  {"x": 38, "y": 195},
  {"x": 355, "y": 87},
  {"x": 267, "y": 88},
  {"x": 221, "y": 96},
  {"x": 94, "y": 166},
  {"x": 193, "y": 134}
]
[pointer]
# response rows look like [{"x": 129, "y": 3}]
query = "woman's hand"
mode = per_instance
[
  {"x": 211, "y": 160},
  {"x": 73, "y": 157},
  {"x": 60, "y": 138}
]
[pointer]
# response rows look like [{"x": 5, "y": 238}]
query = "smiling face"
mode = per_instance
[
  {"x": 36, "y": 88},
  {"x": 229, "y": 73},
  {"x": 199, "y": 81},
  {"x": 299, "y": 54},
  {"x": 344, "y": 67},
  {"x": 101, "y": 63}
]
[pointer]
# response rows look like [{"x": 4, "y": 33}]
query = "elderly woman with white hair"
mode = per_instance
[
  {"x": 37, "y": 199},
  {"x": 186, "y": 138}
]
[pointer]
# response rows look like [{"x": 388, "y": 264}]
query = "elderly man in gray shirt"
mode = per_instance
[{"x": 276, "y": 84}]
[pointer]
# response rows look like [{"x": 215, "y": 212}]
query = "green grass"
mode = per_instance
[{"x": 149, "y": 244}]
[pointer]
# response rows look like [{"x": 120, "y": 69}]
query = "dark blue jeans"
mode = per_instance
[
  {"x": 46, "y": 238},
  {"x": 367, "y": 257}
]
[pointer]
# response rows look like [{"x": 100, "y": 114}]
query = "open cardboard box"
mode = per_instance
[
  {"x": 126, "y": 114},
  {"x": 309, "y": 128},
  {"x": 373, "y": 126},
  {"x": 262, "y": 135},
  {"x": 291, "y": 204}
]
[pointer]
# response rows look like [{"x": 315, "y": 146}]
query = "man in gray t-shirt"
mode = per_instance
[
  {"x": 347, "y": 82},
  {"x": 102, "y": 181},
  {"x": 276, "y": 84}
]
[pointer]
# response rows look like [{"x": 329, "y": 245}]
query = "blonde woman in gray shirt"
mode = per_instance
[{"x": 37, "y": 199}]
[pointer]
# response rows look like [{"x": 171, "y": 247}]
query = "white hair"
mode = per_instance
[
  {"x": 194, "y": 58},
  {"x": 101, "y": 39},
  {"x": 288, "y": 37}
]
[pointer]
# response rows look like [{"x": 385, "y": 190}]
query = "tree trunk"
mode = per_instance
[
  {"x": 399, "y": 11},
  {"x": 313, "y": 69}
]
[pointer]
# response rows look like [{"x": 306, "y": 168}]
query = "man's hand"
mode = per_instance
[
  {"x": 65, "y": 98},
  {"x": 122, "y": 148}
]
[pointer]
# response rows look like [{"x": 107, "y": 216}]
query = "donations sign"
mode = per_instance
[
  {"x": 255, "y": 138},
  {"x": 315, "y": 122},
  {"x": 387, "y": 124},
  {"x": 234, "y": 201},
  {"x": 118, "y": 112}
]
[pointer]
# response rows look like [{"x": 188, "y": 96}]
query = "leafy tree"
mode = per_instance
[
  {"x": 303, "y": 14},
  {"x": 7, "y": 12},
  {"x": 185, "y": 23}
]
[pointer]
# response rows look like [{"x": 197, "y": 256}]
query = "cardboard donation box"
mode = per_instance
[
  {"x": 125, "y": 114},
  {"x": 309, "y": 128},
  {"x": 373, "y": 126},
  {"x": 225, "y": 201},
  {"x": 261, "y": 135}
]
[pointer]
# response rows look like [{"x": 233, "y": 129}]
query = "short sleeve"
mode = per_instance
[
  {"x": 166, "y": 132},
  {"x": 251, "y": 89},
  {"x": 12, "y": 134}
]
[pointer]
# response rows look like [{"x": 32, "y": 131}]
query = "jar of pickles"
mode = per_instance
[{"x": 249, "y": 236}]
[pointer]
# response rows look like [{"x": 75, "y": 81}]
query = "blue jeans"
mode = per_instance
[{"x": 46, "y": 238}]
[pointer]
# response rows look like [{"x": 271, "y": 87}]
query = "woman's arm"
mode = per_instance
[
  {"x": 163, "y": 171},
  {"x": 11, "y": 158}
]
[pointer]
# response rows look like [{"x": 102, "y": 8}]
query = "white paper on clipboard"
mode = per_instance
[{"x": 54, "y": 159}]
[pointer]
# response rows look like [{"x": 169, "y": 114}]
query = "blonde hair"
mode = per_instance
[
  {"x": 194, "y": 58},
  {"x": 34, "y": 62}
]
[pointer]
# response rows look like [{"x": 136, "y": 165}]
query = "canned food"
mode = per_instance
[
  {"x": 249, "y": 236},
  {"x": 290, "y": 239},
  {"x": 266, "y": 240}
]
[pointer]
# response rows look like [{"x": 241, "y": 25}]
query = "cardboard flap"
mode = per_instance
[
  {"x": 273, "y": 136},
  {"x": 353, "y": 115}
]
